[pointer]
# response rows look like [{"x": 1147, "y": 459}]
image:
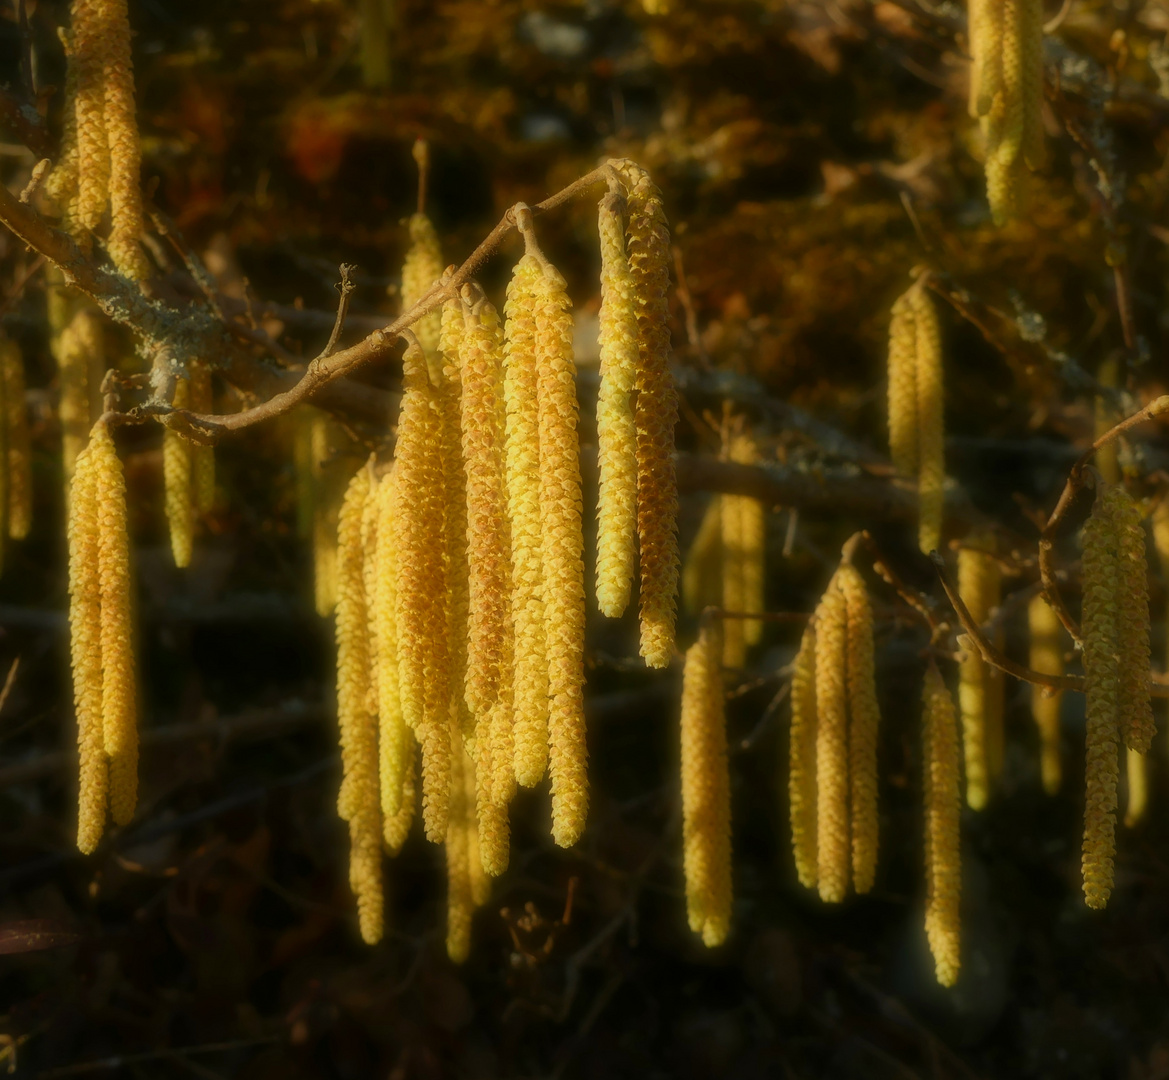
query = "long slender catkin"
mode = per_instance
[
  {"x": 706, "y": 799},
  {"x": 702, "y": 569},
  {"x": 902, "y": 394},
  {"x": 1034, "y": 146},
  {"x": 176, "y": 471},
  {"x": 80, "y": 341},
  {"x": 90, "y": 46},
  {"x": 1101, "y": 633},
  {"x": 322, "y": 502},
  {"x": 85, "y": 652},
  {"x": 832, "y": 818},
  {"x": 523, "y": 499},
  {"x": 942, "y": 817},
  {"x": 460, "y": 903},
  {"x": 1136, "y": 709},
  {"x": 863, "y": 724},
  {"x": 616, "y": 428},
  {"x": 480, "y": 882},
  {"x": 563, "y": 556},
  {"x": 931, "y": 477},
  {"x": 16, "y": 438},
  {"x": 1046, "y": 655},
  {"x": 802, "y": 760},
  {"x": 753, "y": 529},
  {"x": 1137, "y": 774},
  {"x": 655, "y": 415},
  {"x": 977, "y": 577},
  {"x": 733, "y": 593}
]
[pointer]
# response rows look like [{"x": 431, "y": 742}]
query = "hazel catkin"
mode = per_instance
[
  {"x": 422, "y": 269},
  {"x": 176, "y": 471},
  {"x": 902, "y": 392},
  {"x": 1046, "y": 655},
  {"x": 16, "y": 439},
  {"x": 702, "y": 570},
  {"x": 930, "y": 423},
  {"x": 802, "y": 760},
  {"x": 832, "y": 817},
  {"x": 978, "y": 578}
]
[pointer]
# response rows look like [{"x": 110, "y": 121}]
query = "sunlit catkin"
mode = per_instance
[
  {"x": 655, "y": 416},
  {"x": 706, "y": 798},
  {"x": 931, "y": 476},
  {"x": 202, "y": 457},
  {"x": 359, "y": 801},
  {"x": 563, "y": 556},
  {"x": 81, "y": 340},
  {"x": 832, "y": 818},
  {"x": 801, "y": 783},
  {"x": 863, "y": 725},
  {"x": 89, "y": 48},
  {"x": 176, "y": 471},
  {"x": 423, "y": 648},
  {"x": 753, "y": 529},
  {"x": 523, "y": 446},
  {"x": 1137, "y": 775},
  {"x": 1101, "y": 633},
  {"x": 85, "y": 653},
  {"x": 422, "y": 269},
  {"x": 902, "y": 393},
  {"x": 702, "y": 568},
  {"x": 978, "y": 578},
  {"x": 1046, "y": 655},
  {"x": 16, "y": 436},
  {"x": 1136, "y": 711},
  {"x": 942, "y": 818},
  {"x": 616, "y": 429}
]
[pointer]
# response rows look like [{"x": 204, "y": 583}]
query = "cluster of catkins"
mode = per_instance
[
  {"x": 100, "y": 154},
  {"x": 1006, "y": 96},
  {"x": 915, "y": 398},
  {"x": 460, "y": 593}
]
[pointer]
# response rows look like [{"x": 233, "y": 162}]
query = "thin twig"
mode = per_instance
[{"x": 345, "y": 287}]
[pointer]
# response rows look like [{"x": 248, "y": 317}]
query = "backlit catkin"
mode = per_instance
[
  {"x": 801, "y": 783},
  {"x": 359, "y": 801},
  {"x": 702, "y": 570},
  {"x": 89, "y": 49},
  {"x": 616, "y": 429},
  {"x": 863, "y": 725},
  {"x": 523, "y": 447},
  {"x": 16, "y": 437},
  {"x": 832, "y": 817},
  {"x": 1046, "y": 655},
  {"x": 978, "y": 585},
  {"x": 563, "y": 556},
  {"x": 176, "y": 471},
  {"x": 931, "y": 476},
  {"x": 942, "y": 817},
  {"x": 1101, "y": 633},
  {"x": 422, "y": 269},
  {"x": 423, "y": 650},
  {"x": 706, "y": 797},
  {"x": 902, "y": 393},
  {"x": 655, "y": 416}
]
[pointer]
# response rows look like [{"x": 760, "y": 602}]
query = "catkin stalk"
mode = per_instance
[
  {"x": 1046, "y": 655},
  {"x": 802, "y": 760},
  {"x": 832, "y": 817},
  {"x": 176, "y": 471},
  {"x": 706, "y": 801},
  {"x": 16, "y": 437}
]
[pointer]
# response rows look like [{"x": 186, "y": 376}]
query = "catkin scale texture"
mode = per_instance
[
  {"x": 176, "y": 471},
  {"x": 90, "y": 45},
  {"x": 832, "y": 817},
  {"x": 802, "y": 760},
  {"x": 616, "y": 427},
  {"x": 978, "y": 587},
  {"x": 422, "y": 269},
  {"x": 1046, "y": 655},
  {"x": 706, "y": 803},
  {"x": 1136, "y": 710},
  {"x": 563, "y": 556}
]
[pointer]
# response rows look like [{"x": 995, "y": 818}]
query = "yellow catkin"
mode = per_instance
[
  {"x": 863, "y": 726},
  {"x": 480, "y": 882},
  {"x": 985, "y": 27},
  {"x": 488, "y": 540},
  {"x": 1011, "y": 114},
  {"x": 1137, "y": 773},
  {"x": 702, "y": 570},
  {"x": 902, "y": 393},
  {"x": 977, "y": 585},
  {"x": 706, "y": 797},
  {"x": 563, "y": 556},
  {"x": 316, "y": 505},
  {"x": 202, "y": 457},
  {"x": 126, "y": 226},
  {"x": 119, "y": 683},
  {"x": 423, "y": 651},
  {"x": 832, "y": 818},
  {"x": 942, "y": 836},
  {"x": 1101, "y": 583},
  {"x": 61, "y": 185},
  {"x": 396, "y": 829},
  {"x": 16, "y": 437},
  {"x": 422, "y": 269},
  {"x": 1046, "y": 655},
  {"x": 90, "y": 46},
  {"x": 801, "y": 783},
  {"x": 85, "y": 653},
  {"x": 495, "y": 775},
  {"x": 523, "y": 499},
  {"x": 733, "y": 595},
  {"x": 1136, "y": 708},
  {"x": 931, "y": 476},
  {"x": 655, "y": 416},
  {"x": 80, "y": 341},
  {"x": 358, "y": 802},
  {"x": 460, "y": 903},
  {"x": 176, "y": 472},
  {"x": 616, "y": 429},
  {"x": 1031, "y": 48},
  {"x": 753, "y": 524}
]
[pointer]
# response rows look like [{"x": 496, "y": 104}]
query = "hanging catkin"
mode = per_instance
[
  {"x": 832, "y": 818},
  {"x": 1046, "y": 655},
  {"x": 81, "y": 340},
  {"x": 523, "y": 498},
  {"x": 316, "y": 504},
  {"x": 16, "y": 438},
  {"x": 706, "y": 797},
  {"x": 702, "y": 570},
  {"x": 931, "y": 477},
  {"x": 1136, "y": 709},
  {"x": 733, "y": 595},
  {"x": 863, "y": 725},
  {"x": 1101, "y": 633},
  {"x": 902, "y": 394},
  {"x": 978, "y": 587},
  {"x": 423, "y": 653},
  {"x": 422, "y": 269},
  {"x": 460, "y": 903},
  {"x": 61, "y": 185},
  {"x": 176, "y": 471},
  {"x": 753, "y": 530},
  {"x": 616, "y": 429},
  {"x": 1137, "y": 776},
  {"x": 802, "y": 760},
  {"x": 563, "y": 556},
  {"x": 90, "y": 46},
  {"x": 942, "y": 817},
  {"x": 480, "y": 882},
  {"x": 202, "y": 457},
  {"x": 358, "y": 802},
  {"x": 655, "y": 415},
  {"x": 85, "y": 652}
]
